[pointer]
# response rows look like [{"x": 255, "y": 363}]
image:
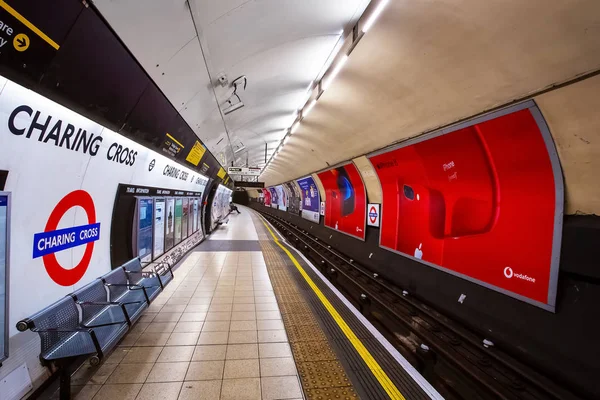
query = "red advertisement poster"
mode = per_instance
[
  {"x": 345, "y": 200},
  {"x": 267, "y": 197},
  {"x": 479, "y": 202}
]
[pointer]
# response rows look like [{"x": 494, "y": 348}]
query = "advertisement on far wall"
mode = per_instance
[
  {"x": 267, "y": 197},
  {"x": 274, "y": 197},
  {"x": 281, "y": 198},
  {"x": 483, "y": 202},
  {"x": 293, "y": 195},
  {"x": 345, "y": 200},
  {"x": 310, "y": 200}
]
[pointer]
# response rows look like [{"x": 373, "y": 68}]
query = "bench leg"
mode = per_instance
[{"x": 65, "y": 383}]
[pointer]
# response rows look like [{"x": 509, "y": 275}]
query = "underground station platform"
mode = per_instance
[{"x": 247, "y": 316}]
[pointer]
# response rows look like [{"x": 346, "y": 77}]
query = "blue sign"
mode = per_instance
[
  {"x": 310, "y": 194},
  {"x": 45, "y": 243},
  {"x": 3, "y": 201}
]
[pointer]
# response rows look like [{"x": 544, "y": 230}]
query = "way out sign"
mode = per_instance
[{"x": 373, "y": 214}]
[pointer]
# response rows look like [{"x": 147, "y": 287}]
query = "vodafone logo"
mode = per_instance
[
  {"x": 52, "y": 240},
  {"x": 509, "y": 273}
]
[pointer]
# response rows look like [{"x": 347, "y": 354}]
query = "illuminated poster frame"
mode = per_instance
[
  {"x": 178, "y": 220},
  {"x": 160, "y": 207},
  {"x": 309, "y": 204},
  {"x": 144, "y": 234},
  {"x": 185, "y": 218},
  {"x": 358, "y": 195},
  {"x": 169, "y": 224},
  {"x": 554, "y": 237},
  {"x": 5, "y": 203}
]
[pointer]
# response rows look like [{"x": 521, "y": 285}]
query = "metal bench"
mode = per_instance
[
  {"x": 134, "y": 298},
  {"x": 65, "y": 337},
  {"x": 93, "y": 319},
  {"x": 153, "y": 276}
]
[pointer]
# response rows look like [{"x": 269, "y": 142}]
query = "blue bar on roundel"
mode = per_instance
[{"x": 45, "y": 243}]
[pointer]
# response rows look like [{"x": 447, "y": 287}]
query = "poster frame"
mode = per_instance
[
  {"x": 558, "y": 198},
  {"x": 156, "y": 200},
  {"x": 366, "y": 202},
  {"x": 5, "y": 351}
]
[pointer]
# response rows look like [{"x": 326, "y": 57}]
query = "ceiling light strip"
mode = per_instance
[{"x": 371, "y": 20}]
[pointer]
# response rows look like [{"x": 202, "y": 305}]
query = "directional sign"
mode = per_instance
[
  {"x": 21, "y": 42},
  {"x": 247, "y": 171},
  {"x": 24, "y": 48},
  {"x": 373, "y": 214}
]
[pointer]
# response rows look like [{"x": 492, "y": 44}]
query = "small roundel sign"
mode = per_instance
[
  {"x": 373, "y": 214},
  {"x": 52, "y": 240}
]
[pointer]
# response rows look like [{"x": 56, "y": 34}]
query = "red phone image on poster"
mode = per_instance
[
  {"x": 345, "y": 200},
  {"x": 267, "y": 197},
  {"x": 479, "y": 202}
]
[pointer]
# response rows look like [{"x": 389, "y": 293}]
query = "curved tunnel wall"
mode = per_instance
[
  {"x": 537, "y": 201},
  {"x": 65, "y": 174}
]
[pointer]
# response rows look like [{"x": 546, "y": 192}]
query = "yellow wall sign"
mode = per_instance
[
  {"x": 196, "y": 153},
  {"x": 221, "y": 174},
  {"x": 21, "y": 42}
]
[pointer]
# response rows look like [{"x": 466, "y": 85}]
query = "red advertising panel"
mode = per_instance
[
  {"x": 345, "y": 200},
  {"x": 267, "y": 197},
  {"x": 482, "y": 202}
]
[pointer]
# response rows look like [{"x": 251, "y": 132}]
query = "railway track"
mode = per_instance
[{"x": 459, "y": 363}]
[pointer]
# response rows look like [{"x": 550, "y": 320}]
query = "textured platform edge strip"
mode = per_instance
[
  {"x": 366, "y": 356},
  {"x": 412, "y": 372}
]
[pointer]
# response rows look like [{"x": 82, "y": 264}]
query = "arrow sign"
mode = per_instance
[{"x": 21, "y": 42}]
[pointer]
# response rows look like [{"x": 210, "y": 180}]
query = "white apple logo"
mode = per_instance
[{"x": 419, "y": 252}]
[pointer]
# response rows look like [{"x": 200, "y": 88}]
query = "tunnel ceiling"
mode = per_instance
[
  {"x": 280, "y": 46},
  {"x": 424, "y": 64}
]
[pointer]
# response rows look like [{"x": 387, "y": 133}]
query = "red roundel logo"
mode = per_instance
[
  {"x": 46, "y": 244},
  {"x": 373, "y": 214}
]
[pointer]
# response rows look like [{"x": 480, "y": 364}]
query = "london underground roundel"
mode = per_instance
[
  {"x": 373, "y": 215},
  {"x": 52, "y": 240}
]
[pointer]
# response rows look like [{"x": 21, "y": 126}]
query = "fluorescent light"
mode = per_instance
[
  {"x": 335, "y": 72},
  {"x": 240, "y": 149},
  {"x": 295, "y": 127},
  {"x": 308, "y": 108},
  {"x": 374, "y": 15}
]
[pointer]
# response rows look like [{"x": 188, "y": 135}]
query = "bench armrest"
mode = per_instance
[{"x": 99, "y": 303}]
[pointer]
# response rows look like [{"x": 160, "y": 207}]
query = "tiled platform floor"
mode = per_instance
[{"x": 214, "y": 333}]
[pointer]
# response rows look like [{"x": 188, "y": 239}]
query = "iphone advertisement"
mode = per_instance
[
  {"x": 482, "y": 202},
  {"x": 345, "y": 200}
]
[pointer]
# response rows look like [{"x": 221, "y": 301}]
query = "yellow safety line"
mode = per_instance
[
  {"x": 376, "y": 370},
  {"x": 170, "y": 137},
  {"x": 28, "y": 24}
]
